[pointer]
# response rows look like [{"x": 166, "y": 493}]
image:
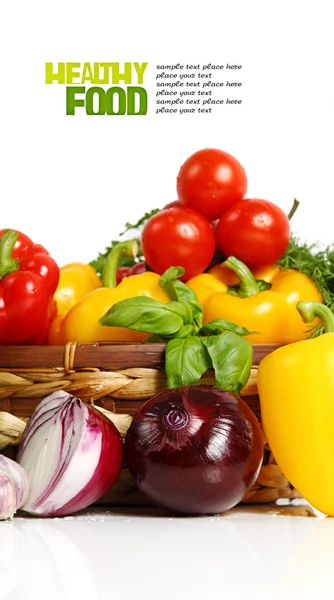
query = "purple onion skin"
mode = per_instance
[
  {"x": 72, "y": 416},
  {"x": 195, "y": 449}
]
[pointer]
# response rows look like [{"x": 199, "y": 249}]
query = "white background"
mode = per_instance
[{"x": 70, "y": 183}]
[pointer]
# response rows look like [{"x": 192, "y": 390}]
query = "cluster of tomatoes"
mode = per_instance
[{"x": 213, "y": 213}]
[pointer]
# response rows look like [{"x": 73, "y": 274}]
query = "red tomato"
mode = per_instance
[
  {"x": 178, "y": 237},
  {"x": 210, "y": 181},
  {"x": 255, "y": 231},
  {"x": 171, "y": 204}
]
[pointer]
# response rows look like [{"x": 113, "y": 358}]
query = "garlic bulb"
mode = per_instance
[{"x": 14, "y": 487}]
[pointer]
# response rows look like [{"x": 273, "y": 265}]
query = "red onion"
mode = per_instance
[
  {"x": 195, "y": 449},
  {"x": 72, "y": 454}
]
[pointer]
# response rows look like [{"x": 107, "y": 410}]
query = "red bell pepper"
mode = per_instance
[{"x": 28, "y": 281}]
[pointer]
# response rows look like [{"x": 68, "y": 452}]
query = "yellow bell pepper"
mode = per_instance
[
  {"x": 219, "y": 277},
  {"x": 227, "y": 276},
  {"x": 271, "y": 313},
  {"x": 76, "y": 281},
  {"x": 223, "y": 274},
  {"x": 81, "y": 324},
  {"x": 296, "y": 389},
  {"x": 204, "y": 285}
]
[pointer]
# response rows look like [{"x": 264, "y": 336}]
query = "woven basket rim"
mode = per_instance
[{"x": 117, "y": 355}]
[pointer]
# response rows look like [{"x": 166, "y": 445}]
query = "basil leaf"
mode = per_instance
[
  {"x": 181, "y": 308},
  {"x": 186, "y": 361},
  {"x": 168, "y": 278},
  {"x": 185, "y": 332},
  {"x": 231, "y": 357},
  {"x": 220, "y": 325},
  {"x": 179, "y": 291},
  {"x": 186, "y": 294},
  {"x": 146, "y": 314},
  {"x": 155, "y": 339}
]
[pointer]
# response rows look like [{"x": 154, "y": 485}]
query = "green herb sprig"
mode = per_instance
[
  {"x": 316, "y": 263},
  {"x": 125, "y": 261}
]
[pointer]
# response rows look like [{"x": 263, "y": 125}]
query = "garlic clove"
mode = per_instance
[{"x": 14, "y": 487}]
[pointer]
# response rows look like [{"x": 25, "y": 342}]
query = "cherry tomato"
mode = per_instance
[
  {"x": 171, "y": 204},
  {"x": 178, "y": 237},
  {"x": 255, "y": 231},
  {"x": 210, "y": 181}
]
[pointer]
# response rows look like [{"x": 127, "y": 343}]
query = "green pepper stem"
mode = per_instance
[
  {"x": 8, "y": 264},
  {"x": 128, "y": 248},
  {"x": 311, "y": 310},
  {"x": 293, "y": 208},
  {"x": 248, "y": 285}
]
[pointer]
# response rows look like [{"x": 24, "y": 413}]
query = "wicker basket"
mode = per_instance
[{"x": 118, "y": 377}]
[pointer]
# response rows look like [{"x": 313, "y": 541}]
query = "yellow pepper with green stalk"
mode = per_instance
[
  {"x": 267, "y": 309},
  {"x": 296, "y": 389},
  {"x": 81, "y": 322},
  {"x": 227, "y": 276},
  {"x": 220, "y": 277},
  {"x": 76, "y": 281}
]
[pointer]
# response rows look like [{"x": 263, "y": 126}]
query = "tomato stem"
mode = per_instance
[
  {"x": 8, "y": 264},
  {"x": 293, "y": 208},
  {"x": 311, "y": 310},
  {"x": 248, "y": 285},
  {"x": 109, "y": 275}
]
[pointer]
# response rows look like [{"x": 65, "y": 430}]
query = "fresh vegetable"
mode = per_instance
[
  {"x": 255, "y": 231},
  {"x": 81, "y": 323},
  {"x": 230, "y": 278},
  {"x": 220, "y": 278},
  {"x": 28, "y": 280},
  {"x": 172, "y": 204},
  {"x": 72, "y": 454},
  {"x": 14, "y": 487},
  {"x": 178, "y": 236},
  {"x": 191, "y": 348},
  {"x": 204, "y": 285},
  {"x": 194, "y": 449},
  {"x": 210, "y": 181},
  {"x": 76, "y": 281},
  {"x": 270, "y": 314},
  {"x": 315, "y": 262},
  {"x": 124, "y": 261},
  {"x": 135, "y": 269},
  {"x": 296, "y": 390}
]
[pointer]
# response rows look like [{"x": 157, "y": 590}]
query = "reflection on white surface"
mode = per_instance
[
  {"x": 246, "y": 553},
  {"x": 11, "y": 558},
  {"x": 310, "y": 572},
  {"x": 39, "y": 559}
]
